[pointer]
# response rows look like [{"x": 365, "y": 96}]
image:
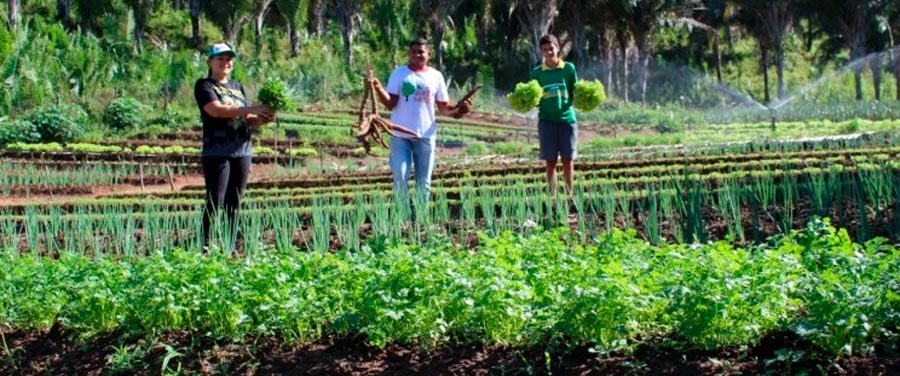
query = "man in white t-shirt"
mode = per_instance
[{"x": 412, "y": 92}]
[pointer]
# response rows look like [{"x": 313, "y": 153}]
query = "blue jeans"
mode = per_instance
[{"x": 406, "y": 153}]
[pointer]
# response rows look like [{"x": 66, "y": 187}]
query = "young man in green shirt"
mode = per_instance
[{"x": 557, "y": 129}]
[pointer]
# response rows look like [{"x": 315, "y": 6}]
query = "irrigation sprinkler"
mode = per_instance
[{"x": 772, "y": 117}]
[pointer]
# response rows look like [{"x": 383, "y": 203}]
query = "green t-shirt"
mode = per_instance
[{"x": 559, "y": 86}]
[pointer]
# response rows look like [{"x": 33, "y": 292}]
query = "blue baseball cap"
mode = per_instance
[{"x": 220, "y": 48}]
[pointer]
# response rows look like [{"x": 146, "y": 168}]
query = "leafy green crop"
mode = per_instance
[
  {"x": 526, "y": 96},
  {"x": 274, "y": 93},
  {"x": 516, "y": 289},
  {"x": 12, "y": 131},
  {"x": 589, "y": 95},
  {"x": 124, "y": 113}
]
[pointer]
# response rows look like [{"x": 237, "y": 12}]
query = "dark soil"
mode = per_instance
[{"x": 55, "y": 352}]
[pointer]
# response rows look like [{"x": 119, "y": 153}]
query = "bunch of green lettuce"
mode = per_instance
[
  {"x": 274, "y": 93},
  {"x": 588, "y": 95},
  {"x": 526, "y": 96}
]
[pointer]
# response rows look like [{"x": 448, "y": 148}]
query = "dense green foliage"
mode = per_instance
[
  {"x": 514, "y": 290},
  {"x": 274, "y": 94},
  {"x": 56, "y": 124},
  {"x": 124, "y": 114},
  {"x": 13, "y": 131},
  {"x": 526, "y": 96},
  {"x": 148, "y": 50}
]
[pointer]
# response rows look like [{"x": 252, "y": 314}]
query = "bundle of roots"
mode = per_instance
[{"x": 371, "y": 125}]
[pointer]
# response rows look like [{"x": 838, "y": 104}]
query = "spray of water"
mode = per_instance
[{"x": 851, "y": 66}]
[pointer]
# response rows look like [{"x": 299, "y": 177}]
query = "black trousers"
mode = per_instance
[{"x": 226, "y": 181}]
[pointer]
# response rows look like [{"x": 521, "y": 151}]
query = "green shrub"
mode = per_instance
[
  {"x": 668, "y": 124},
  {"x": 511, "y": 148},
  {"x": 477, "y": 148},
  {"x": 18, "y": 131},
  {"x": 851, "y": 126},
  {"x": 54, "y": 124},
  {"x": 124, "y": 114},
  {"x": 171, "y": 120}
]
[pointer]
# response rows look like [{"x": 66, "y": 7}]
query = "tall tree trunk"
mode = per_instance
[
  {"x": 579, "y": 44},
  {"x": 623, "y": 66},
  {"x": 259, "y": 17},
  {"x": 764, "y": 66},
  {"x": 857, "y": 51},
  {"x": 607, "y": 48},
  {"x": 481, "y": 30},
  {"x": 897, "y": 73},
  {"x": 139, "y": 23},
  {"x": 575, "y": 27},
  {"x": 13, "y": 12},
  {"x": 643, "y": 47},
  {"x": 232, "y": 31},
  {"x": 195, "y": 23},
  {"x": 779, "y": 71},
  {"x": 437, "y": 30},
  {"x": 717, "y": 50},
  {"x": 294, "y": 34},
  {"x": 316, "y": 18},
  {"x": 875, "y": 65},
  {"x": 64, "y": 13},
  {"x": 346, "y": 35},
  {"x": 536, "y": 16}
]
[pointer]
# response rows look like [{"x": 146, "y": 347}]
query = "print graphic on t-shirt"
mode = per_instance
[
  {"x": 555, "y": 90},
  {"x": 419, "y": 92},
  {"x": 231, "y": 97},
  {"x": 407, "y": 90}
]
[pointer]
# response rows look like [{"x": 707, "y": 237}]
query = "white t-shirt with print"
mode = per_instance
[{"x": 418, "y": 92}]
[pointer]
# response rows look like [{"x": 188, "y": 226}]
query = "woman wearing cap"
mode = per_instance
[{"x": 227, "y": 118}]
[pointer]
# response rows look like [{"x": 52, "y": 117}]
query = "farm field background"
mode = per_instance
[{"x": 736, "y": 205}]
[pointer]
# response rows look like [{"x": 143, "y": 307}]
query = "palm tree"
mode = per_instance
[
  {"x": 229, "y": 16},
  {"x": 194, "y": 10},
  {"x": 642, "y": 17},
  {"x": 853, "y": 20},
  {"x": 141, "y": 10},
  {"x": 64, "y": 13},
  {"x": 768, "y": 21},
  {"x": 294, "y": 12},
  {"x": 574, "y": 21},
  {"x": 91, "y": 12},
  {"x": 261, "y": 9},
  {"x": 13, "y": 13},
  {"x": 315, "y": 16},
  {"x": 438, "y": 12},
  {"x": 892, "y": 18},
  {"x": 536, "y": 17},
  {"x": 347, "y": 13}
]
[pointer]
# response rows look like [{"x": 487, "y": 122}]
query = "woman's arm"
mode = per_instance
[{"x": 217, "y": 109}]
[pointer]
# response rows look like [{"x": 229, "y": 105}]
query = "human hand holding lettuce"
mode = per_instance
[
  {"x": 274, "y": 95},
  {"x": 587, "y": 97}
]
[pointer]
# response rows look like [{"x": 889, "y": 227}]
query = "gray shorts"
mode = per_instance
[{"x": 558, "y": 140}]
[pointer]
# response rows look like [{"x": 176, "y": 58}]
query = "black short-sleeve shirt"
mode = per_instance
[{"x": 223, "y": 137}]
